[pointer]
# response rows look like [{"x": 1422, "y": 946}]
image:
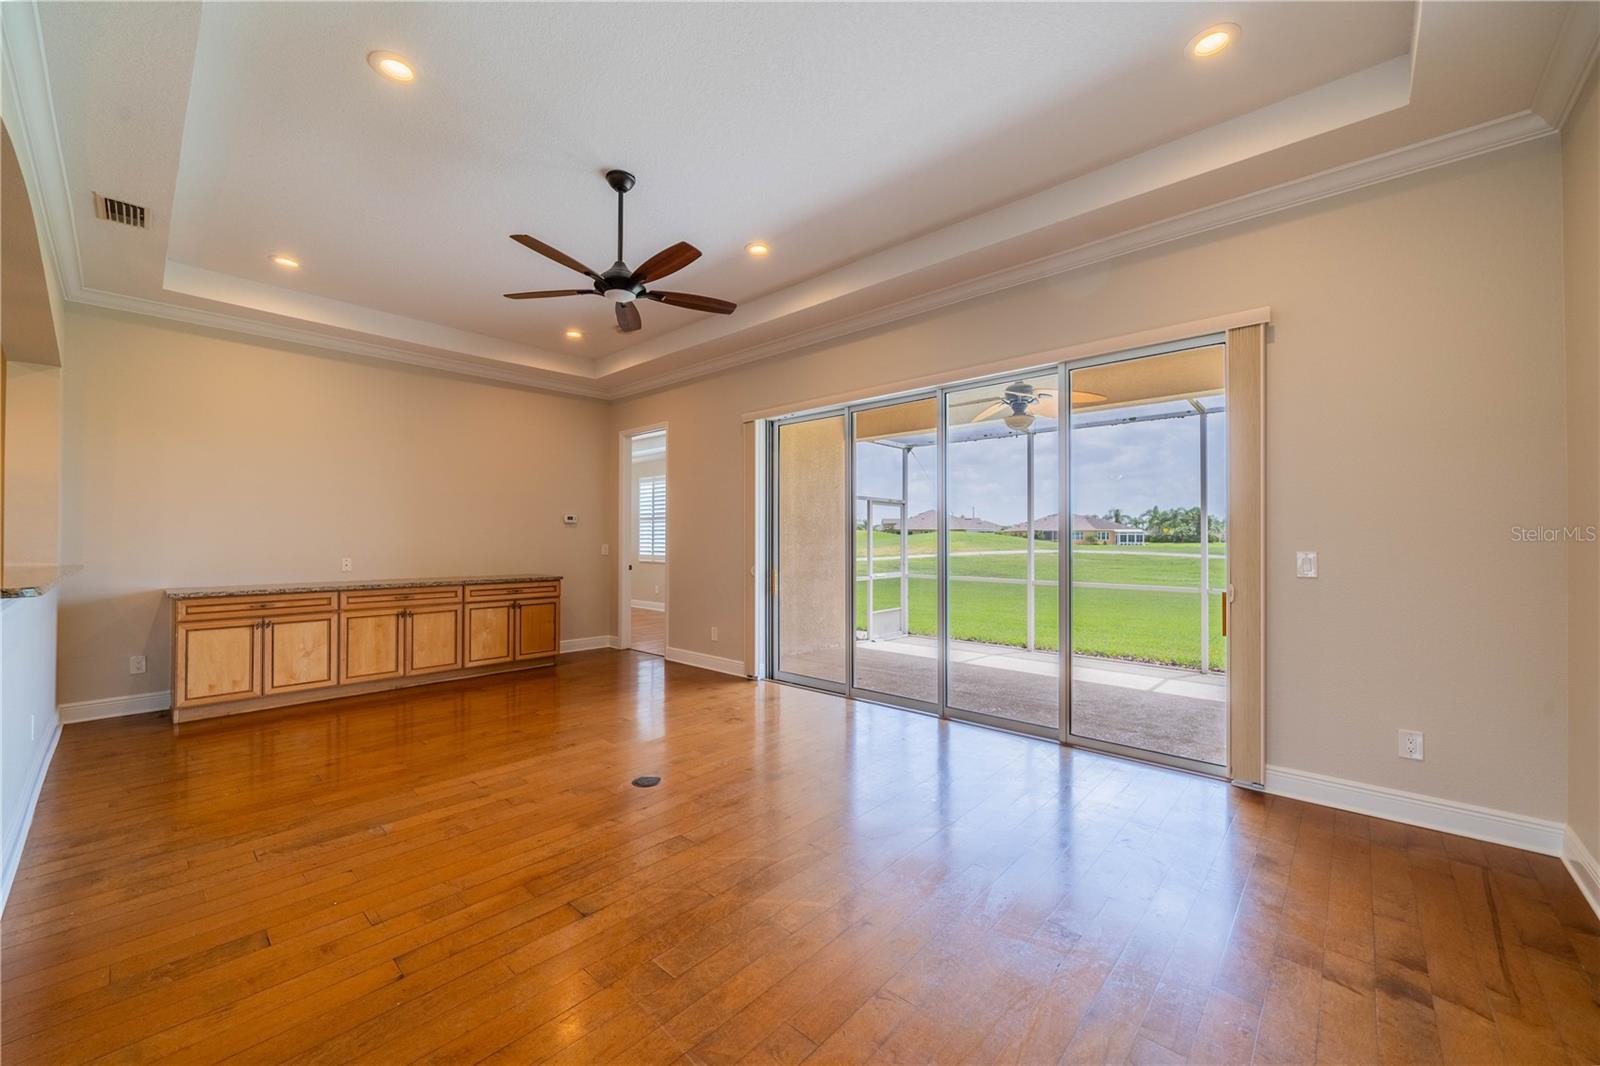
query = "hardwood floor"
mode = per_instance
[
  {"x": 648, "y": 630},
  {"x": 463, "y": 873}
]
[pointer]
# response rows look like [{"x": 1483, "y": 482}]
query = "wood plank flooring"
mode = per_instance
[{"x": 463, "y": 873}]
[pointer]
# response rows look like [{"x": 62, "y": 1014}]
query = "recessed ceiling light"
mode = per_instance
[
  {"x": 391, "y": 66},
  {"x": 574, "y": 334},
  {"x": 1213, "y": 39},
  {"x": 287, "y": 262},
  {"x": 757, "y": 248}
]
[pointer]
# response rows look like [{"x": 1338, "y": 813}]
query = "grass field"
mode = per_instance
[{"x": 1150, "y": 626}]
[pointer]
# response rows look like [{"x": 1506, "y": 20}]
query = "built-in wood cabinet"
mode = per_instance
[
  {"x": 300, "y": 653},
  {"x": 245, "y": 652},
  {"x": 371, "y": 645},
  {"x": 538, "y": 629},
  {"x": 432, "y": 639},
  {"x": 215, "y": 661},
  {"x": 489, "y": 629}
]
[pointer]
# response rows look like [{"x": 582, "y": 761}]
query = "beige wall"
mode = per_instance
[
  {"x": 195, "y": 458},
  {"x": 1581, "y": 197},
  {"x": 1415, "y": 415},
  {"x": 32, "y": 464}
]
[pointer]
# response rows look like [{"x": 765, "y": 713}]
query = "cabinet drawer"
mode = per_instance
[
  {"x": 400, "y": 597},
  {"x": 522, "y": 591},
  {"x": 234, "y": 606}
]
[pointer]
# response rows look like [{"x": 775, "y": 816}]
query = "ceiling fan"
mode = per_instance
[
  {"x": 1021, "y": 403},
  {"x": 619, "y": 284}
]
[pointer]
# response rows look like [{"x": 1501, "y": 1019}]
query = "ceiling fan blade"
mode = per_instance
[
  {"x": 550, "y": 253},
  {"x": 628, "y": 318},
  {"x": 693, "y": 302},
  {"x": 667, "y": 261},
  {"x": 540, "y": 295},
  {"x": 993, "y": 410}
]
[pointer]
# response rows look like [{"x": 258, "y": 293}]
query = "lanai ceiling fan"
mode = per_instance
[
  {"x": 1021, "y": 403},
  {"x": 619, "y": 284}
]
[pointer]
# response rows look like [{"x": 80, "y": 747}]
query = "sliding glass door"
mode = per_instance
[
  {"x": 1044, "y": 552},
  {"x": 1002, "y": 477},
  {"x": 1149, "y": 555},
  {"x": 809, "y": 523},
  {"x": 895, "y": 602}
]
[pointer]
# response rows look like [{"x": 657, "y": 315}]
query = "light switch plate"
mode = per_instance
[{"x": 1305, "y": 564}]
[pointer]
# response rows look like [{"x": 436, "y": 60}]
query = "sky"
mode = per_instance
[{"x": 1134, "y": 467}]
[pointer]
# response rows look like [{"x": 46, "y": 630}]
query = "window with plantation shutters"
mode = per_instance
[{"x": 653, "y": 517}]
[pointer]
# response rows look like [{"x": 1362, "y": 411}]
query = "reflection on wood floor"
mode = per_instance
[
  {"x": 463, "y": 873},
  {"x": 649, "y": 630}
]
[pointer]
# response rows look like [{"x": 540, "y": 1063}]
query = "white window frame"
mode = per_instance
[{"x": 650, "y": 517}]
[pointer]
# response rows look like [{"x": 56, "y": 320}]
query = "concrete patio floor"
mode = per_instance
[{"x": 1156, "y": 708}]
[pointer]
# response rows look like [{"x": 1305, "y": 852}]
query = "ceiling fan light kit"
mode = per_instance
[{"x": 624, "y": 287}]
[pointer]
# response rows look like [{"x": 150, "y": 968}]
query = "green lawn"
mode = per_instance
[
  {"x": 1107, "y": 566},
  {"x": 1154, "y": 626}
]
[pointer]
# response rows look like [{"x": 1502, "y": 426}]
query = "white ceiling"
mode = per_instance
[{"x": 887, "y": 152}]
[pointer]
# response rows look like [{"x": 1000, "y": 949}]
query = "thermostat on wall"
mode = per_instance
[{"x": 570, "y": 519}]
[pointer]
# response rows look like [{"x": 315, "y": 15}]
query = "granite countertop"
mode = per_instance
[
  {"x": 346, "y": 586},
  {"x": 26, "y": 582}
]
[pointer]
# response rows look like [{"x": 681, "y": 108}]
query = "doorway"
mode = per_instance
[
  {"x": 1044, "y": 551},
  {"x": 645, "y": 590}
]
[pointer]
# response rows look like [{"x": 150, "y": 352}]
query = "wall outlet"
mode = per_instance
[
  {"x": 136, "y": 664},
  {"x": 656, "y": 589},
  {"x": 605, "y": 549},
  {"x": 713, "y": 632},
  {"x": 570, "y": 519},
  {"x": 1305, "y": 564},
  {"x": 1411, "y": 744},
  {"x": 344, "y": 566}
]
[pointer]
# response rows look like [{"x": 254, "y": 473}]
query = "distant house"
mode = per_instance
[
  {"x": 1086, "y": 529},
  {"x": 928, "y": 522}
]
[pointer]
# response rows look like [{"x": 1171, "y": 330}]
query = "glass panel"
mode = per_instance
[
  {"x": 896, "y": 531},
  {"x": 810, "y": 530},
  {"x": 1148, "y": 449},
  {"x": 1002, "y": 598}
]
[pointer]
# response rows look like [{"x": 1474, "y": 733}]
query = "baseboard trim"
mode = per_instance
[
  {"x": 706, "y": 662},
  {"x": 114, "y": 707},
  {"x": 145, "y": 702},
  {"x": 1429, "y": 812},
  {"x": 648, "y": 605},
  {"x": 13, "y": 858},
  {"x": 588, "y": 643},
  {"x": 1583, "y": 867}
]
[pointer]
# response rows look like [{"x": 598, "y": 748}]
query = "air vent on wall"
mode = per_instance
[{"x": 118, "y": 211}]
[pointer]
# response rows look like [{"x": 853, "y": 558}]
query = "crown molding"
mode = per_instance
[
  {"x": 1424, "y": 155},
  {"x": 1571, "y": 57}
]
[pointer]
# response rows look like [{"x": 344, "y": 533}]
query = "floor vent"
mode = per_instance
[{"x": 118, "y": 211}]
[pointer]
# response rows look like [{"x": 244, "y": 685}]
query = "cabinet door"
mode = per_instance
[
  {"x": 216, "y": 661},
  {"x": 370, "y": 648},
  {"x": 538, "y": 629},
  {"x": 433, "y": 639},
  {"x": 489, "y": 629},
  {"x": 301, "y": 653}
]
